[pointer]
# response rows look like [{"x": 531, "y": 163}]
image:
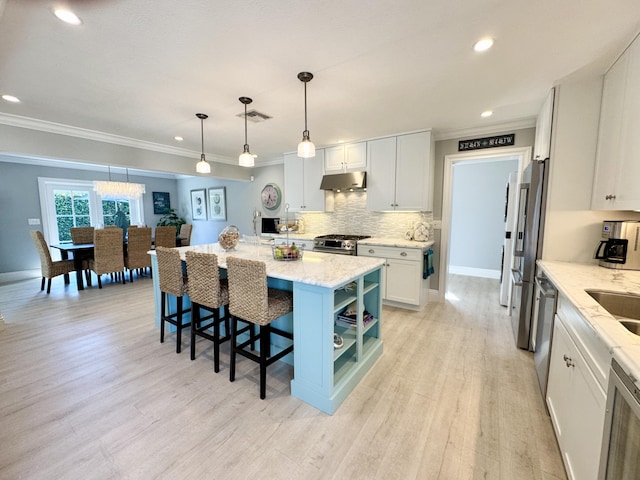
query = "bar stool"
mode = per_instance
[
  {"x": 207, "y": 292},
  {"x": 172, "y": 282},
  {"x": 252, "y": 301}
]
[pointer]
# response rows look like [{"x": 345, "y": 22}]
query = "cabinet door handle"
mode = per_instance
[
  {"x": 371, "y": 250},
  {"x": 568, "y": 361},
  {"x": 404, "y": 254},
  {"x": 610, "y": 197}
]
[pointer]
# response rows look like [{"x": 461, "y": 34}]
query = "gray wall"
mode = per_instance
[
  {"x": 477, "y": 214},
  {"x": 20, "y": 200}
]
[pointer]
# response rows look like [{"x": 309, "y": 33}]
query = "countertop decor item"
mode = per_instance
[
  {"x": 287, "y": 253},
  {"x": 228, "y": 238},
  {"x": 421, "y": 231}
]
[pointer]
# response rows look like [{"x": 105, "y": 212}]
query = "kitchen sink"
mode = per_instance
[{"x": 624, "y": 306}]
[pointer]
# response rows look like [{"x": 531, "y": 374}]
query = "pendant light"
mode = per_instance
[
  {"x": 202, "y": 166},
  {"x": 245, "y": 159},
  {"x": 116, "y": 190},
  {"x": 306, "y": 148}
]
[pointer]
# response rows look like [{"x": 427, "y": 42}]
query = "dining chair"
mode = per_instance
[
  {"x": 174, "y": 282},
  {"x": 81, "y": 235},
  {"x": 165, "y": 237},
  {"x": 209, "y": 292},
  {"x": 138, "y": 246},
  {"x": 251, "y": 300},
  {"x": 185, "y": 234},
  {"x": 108, "y": 253},
  {"x": 48, "y": 267}
]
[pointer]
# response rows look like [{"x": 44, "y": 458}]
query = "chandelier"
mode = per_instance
[{"x": 109, "y": 190}]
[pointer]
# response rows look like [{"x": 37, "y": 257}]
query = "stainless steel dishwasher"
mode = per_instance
[{"x": 546, "y": 300}]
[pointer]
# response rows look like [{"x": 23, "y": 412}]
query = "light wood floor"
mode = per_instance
[{"x": 87, "y": 391}]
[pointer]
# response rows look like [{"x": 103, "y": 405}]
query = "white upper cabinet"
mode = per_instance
[
  {"x": 542, "y": 145},
  {"x": 400, "y": 175},
  {"x": 618, "y": 154},
  {"x": 302, "y": 177},
  {"x": 351, "y": 157}
]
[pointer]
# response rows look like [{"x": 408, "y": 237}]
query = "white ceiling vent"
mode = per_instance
[{"x": 254, "y": 116}]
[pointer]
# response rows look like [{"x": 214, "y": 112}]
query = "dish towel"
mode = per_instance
[{"x": 428, "y": 269}]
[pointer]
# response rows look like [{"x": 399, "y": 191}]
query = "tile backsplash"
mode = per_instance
[{"x": 351, "y": 217}]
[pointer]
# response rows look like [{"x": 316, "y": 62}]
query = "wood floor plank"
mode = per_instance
[{"x": 88, "y": 391}]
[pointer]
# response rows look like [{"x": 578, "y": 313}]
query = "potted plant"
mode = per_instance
[{"x": 172, "y": 218}]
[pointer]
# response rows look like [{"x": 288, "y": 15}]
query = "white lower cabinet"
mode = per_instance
[
  {"x": 576, "y": 402},
  {"x": 401, "y": 275}
]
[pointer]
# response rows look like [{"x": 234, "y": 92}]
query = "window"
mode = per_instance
[{"x": 73, "y": 203}]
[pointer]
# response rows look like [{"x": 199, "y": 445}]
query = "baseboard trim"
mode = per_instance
[{"x": 11, "y": 277}]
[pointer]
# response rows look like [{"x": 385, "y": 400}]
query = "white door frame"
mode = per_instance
[{"x": 524, "y": 158}]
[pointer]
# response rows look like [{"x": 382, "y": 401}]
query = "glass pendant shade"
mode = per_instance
[
  {"x": 306, "y": 148},
  {"x": 203, "y": 166},
  {"x": 246, "y": 159}
]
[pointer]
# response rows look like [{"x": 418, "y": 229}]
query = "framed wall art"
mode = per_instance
[
  {"x": 217, "y": 203},
  {"x": 199, "y": 204},
  {"x": 161, "y": 203}
]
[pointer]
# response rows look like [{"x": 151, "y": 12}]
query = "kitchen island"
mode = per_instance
[{"x": 323, "y": 285}]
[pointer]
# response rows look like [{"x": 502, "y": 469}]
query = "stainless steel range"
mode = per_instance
[{"x": 341, "y": 244}]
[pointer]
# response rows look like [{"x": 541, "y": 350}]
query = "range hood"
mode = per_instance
[{"x": 344, "y": 181}]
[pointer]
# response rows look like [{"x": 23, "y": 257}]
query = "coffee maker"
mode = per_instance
[{"x": 619, "y": 245}]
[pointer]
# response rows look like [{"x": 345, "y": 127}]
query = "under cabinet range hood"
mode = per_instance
[{"x": 344, "y": 181}]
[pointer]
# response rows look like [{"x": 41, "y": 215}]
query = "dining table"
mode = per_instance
[{"x": 80, "y": 252}]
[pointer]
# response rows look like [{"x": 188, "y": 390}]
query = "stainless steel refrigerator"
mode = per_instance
[{"x": 528, "y": 248}]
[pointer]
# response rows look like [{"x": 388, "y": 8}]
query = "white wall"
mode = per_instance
[{"x": 477, "y": 216}]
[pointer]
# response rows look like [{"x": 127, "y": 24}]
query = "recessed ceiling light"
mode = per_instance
[
  {"x": 178, "y": 138},
  {"x": 67, "y": 16},
  {"x": 486, "y": 113},
  {"x": 483, "y": 44},
  {"x": 11, "y": 98}
]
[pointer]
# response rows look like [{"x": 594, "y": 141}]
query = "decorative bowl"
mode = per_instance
[
  {"x": 287, "y": 253},
  {"x": 228, "y": 238}
]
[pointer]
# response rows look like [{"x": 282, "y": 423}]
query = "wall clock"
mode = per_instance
[{"x": 271, "y": 196}]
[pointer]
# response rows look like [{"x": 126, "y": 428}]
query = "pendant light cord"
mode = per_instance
[
  {"x": 202, "y": 137},
  {"x": 245, "y": 124},
  {"x": 305, "y": 107}
]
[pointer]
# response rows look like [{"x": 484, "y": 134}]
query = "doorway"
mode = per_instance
[{"x": 522, "y": 155}]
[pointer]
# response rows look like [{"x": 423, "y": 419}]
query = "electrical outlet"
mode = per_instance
[{"x": 34, "y": 221}]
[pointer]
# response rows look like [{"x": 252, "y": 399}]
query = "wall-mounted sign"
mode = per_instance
[
  {"x": 487, "y": 142},
  {"x": 161, "y": 203}
]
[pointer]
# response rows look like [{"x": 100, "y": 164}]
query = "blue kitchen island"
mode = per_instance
[{"x": 323, "y": 286}]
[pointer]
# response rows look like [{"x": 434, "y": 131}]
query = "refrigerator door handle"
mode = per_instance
[{"x": 516, "y": 277}]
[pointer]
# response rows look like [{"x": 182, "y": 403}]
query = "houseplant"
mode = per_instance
[{"x": 172, "y": 218}]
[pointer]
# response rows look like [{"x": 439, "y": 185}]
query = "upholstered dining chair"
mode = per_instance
[
  {"x": 108, "y": 253},
  {"x": 252, "y": 301},
  {"x": 185, "y": 234},
  {"x": 48, "y": 267},
  {"x": 138, "y": 244},
  {"x": 165, "y": 237},
  {"x": 172, "y": 282},
  {"x": 209, "y": 292}
]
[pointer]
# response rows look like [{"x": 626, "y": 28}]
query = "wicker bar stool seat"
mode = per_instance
[
  {"x": 172, "y": 282},
  {"x": 207, "y": 292},
  {"x": 252, "y": 301}
]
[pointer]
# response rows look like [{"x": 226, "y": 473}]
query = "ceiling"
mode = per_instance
[{"x": 141, "y": 69}]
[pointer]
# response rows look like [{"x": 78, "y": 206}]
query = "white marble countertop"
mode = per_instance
[
  {"x": 315, "y": 268},
  {"x": 395, "y": 242},
  {"x": 292, "y": 236},
  {"x": 572, "y": 279}
]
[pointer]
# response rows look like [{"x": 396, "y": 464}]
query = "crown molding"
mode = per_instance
[
  {"x": 484, "y": 130},
  {"x": 86, "y": 134}
]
